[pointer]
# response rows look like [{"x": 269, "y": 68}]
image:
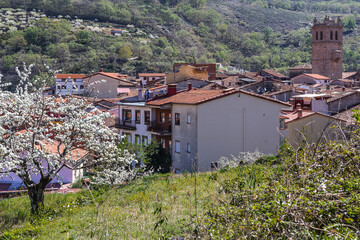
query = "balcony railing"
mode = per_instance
[
  {"x": 125, "y": 124},
  {"x": 160, "y": 128}
]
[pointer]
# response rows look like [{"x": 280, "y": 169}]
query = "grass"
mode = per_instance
[
  {"x": 152, "y": 207},
  {"x": 312, "y": 193}
]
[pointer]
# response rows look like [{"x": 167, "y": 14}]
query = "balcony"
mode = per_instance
[
  {"x": 163, "y": 129},
  {"x": 127, "y": 124}
]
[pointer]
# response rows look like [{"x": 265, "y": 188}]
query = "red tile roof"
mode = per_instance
[
  {"x": 158, "y": 87},
  {"x": 294, "y": 115},
  {"x": 316, "y": 76},
  {"x": 70, "y": 75},
  {"x": 347, "y": 74},
  {"x": 116, "y": 76},
  {"x": 152, "y": 74},
  {"x": 200, "y": 96}
]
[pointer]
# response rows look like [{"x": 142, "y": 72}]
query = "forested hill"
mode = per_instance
[{"x": 74, "y": 35}]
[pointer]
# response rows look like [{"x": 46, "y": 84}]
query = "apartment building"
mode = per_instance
[
  {"x": 208, "y": 124},
  {"x": 69, "y": 84}
]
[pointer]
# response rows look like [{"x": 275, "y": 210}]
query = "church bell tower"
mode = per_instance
[{"x": 327, "y": 44}]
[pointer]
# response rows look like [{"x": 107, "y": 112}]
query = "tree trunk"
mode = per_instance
[{"x": 36, "y": 195}]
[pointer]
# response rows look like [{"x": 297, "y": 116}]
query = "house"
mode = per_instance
[
  {"x": 149, "y": 78},
  {"x": 270, "y": 73},
  {"x": 201, "y": 126},
  {"x": 69, "y": 84},
  {"x": 194, "y": 83},
  {"x": 66, "y": 174},
  {"x": 300, "y": 69},
  {"x": 343, "y": 100},
  {"x": 184, "y": 72},
  {"x": 134, "y": 121},
  {"x": 310, "y": 79},
  {"x": 116, "y": 32},
  {"x": 211, "y": 68},
  {"x": 311, "y": 127},
  {"x": 107, "y": 85}
]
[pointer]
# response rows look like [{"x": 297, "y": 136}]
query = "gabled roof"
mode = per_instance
[
  {"x": 316, "y": 76},
  {"x": 70, "y": 75},
  {"x": 116, "y": 76},
  {"x": 348, "y": 74},
  {"x": 274, "y": 73},
  {"x": 293, "y": 116},
  {"x": 195, "y": 97}
]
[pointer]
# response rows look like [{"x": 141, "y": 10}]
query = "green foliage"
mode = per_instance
[
  {"x": 125, "y": 52},
  {"x": 157, "y": 158},
  {"x": 349, "y": 23}
]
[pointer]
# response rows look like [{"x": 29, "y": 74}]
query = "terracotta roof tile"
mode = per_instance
[
  {"x": 200, "y": 96},
  {"x": 347, "y": 74},
  {"x": 70, "y": 75},
  {"x": 274, "y": 73},
  {"x": 317, "y": 76},
  {"x": 152, "y": 74}
]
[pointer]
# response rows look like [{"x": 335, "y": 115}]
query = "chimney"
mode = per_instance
[
  {"x": 140, "y": 98},
  {"x": 189, "y": 86},
  {"x": 172, "y": 89},
  {"x": 298, "y": 110}
]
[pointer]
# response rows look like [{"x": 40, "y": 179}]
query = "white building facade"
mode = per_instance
[
  {"x": 133, "y": 122},
  {"x": 68, "y": 84}
]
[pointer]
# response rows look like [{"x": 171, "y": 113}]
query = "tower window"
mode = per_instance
[
  {"x": 331, "y": 35},
  {"x": 336, "y": 35},
  {"x": 317, "y": 35},
  {"x": 321, "y": 35}
]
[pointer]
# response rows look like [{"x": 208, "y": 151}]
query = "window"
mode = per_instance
[
  {"x": 59, "y": 87},
  {"x": 126, "y": 116},
  {"x": 147, "y": 117},
  {"x": 177, "y": 118},
  {"x": 81, "y": 86},
  {"x": 137, "y": 116},
  {"x": 188, "y": 119},
  {"x": 170, "y": 147},
  {"x": 170, "y": 118},
  {"x": 162, "y": 117},
  {"x": 137, "y": 139},
  {"x": 317, "y": 35},
  {"x": 177, "y": 146},
  {"x": 321, "y": 35},
  {"x": 331, "y": 35},
  {"x": 188, "y": 148},
  {"x": 336, "y": 35},
  {"x": 63, "y": 87},
  {"x": 145, "y": 140}
]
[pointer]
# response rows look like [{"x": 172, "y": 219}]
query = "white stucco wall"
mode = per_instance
[
  {"x": 106, "y": 89},
  {"x": 70, "y": 86},
  {"x": 236, "y": 123},
  {"x": 141, "y": 129},
  {"x": 184, "y": 133}
]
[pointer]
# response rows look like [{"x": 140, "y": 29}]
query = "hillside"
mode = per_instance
[
  {"x": 310, "y": 192},
  {"x": 244, "y": 34}
]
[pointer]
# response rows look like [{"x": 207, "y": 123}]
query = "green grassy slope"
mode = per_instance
[{"x": 313, "y": 193}]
